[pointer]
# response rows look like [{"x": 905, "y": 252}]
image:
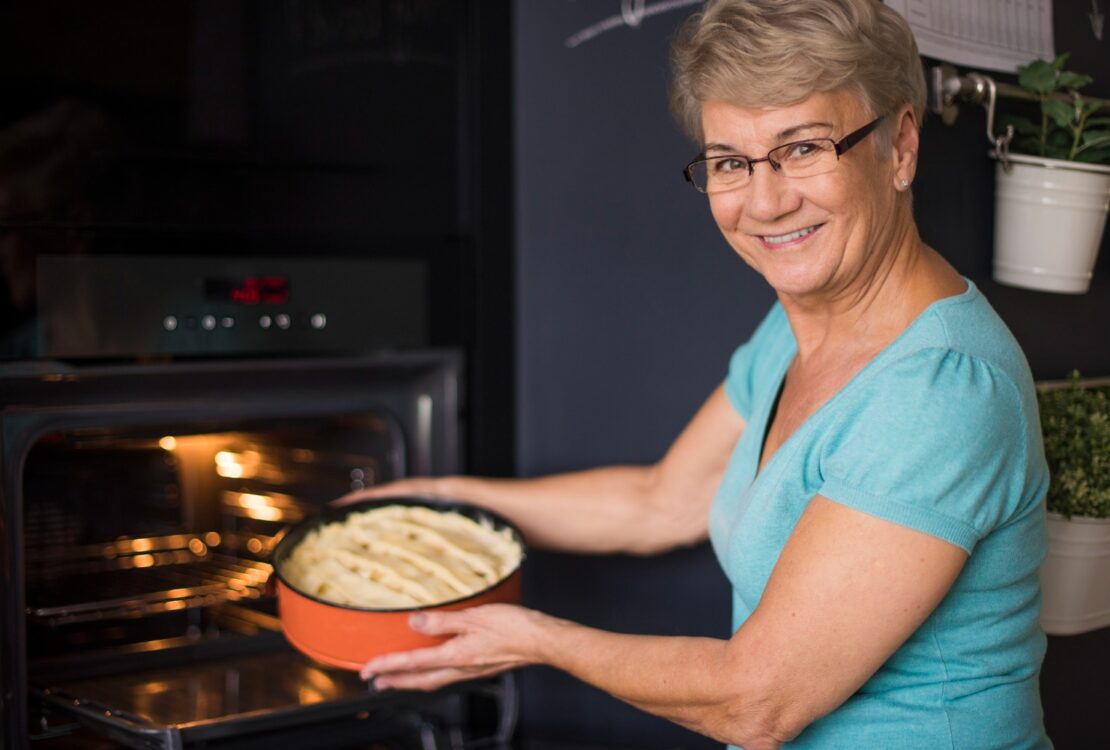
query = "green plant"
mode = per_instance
[
  {"x": 1076, "y": 424},
  {"x": 1067, "y": 130}
]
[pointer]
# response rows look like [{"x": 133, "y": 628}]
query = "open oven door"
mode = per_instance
[{"x": 140, "y": 504}]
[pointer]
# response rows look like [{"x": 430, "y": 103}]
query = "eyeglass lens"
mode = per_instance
[{"x": 801, "y": 159}]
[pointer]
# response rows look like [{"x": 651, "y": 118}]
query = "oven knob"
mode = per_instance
[
  {"x": 227, "y": 322},
  {"x": 208, "y": 322},
  {"x": 282, "y": 321},
  {"x": 265, "y": 321},
  {"x": 170, "y": 322},
  {"x": 319, "y": 320}
]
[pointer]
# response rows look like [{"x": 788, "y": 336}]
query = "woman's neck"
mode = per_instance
[{"x": 874, "y": 308}]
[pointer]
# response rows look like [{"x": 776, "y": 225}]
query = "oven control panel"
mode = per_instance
[{"x": 124, "y": 306}]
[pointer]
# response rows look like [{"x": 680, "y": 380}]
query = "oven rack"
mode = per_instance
[
  {"x": 431, "y": 721},
  {"x": 132, "y": 578}
]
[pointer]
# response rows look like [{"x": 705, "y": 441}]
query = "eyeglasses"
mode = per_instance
[{"x": 813, "y": 156}]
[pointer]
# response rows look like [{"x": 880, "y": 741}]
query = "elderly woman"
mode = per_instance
[{"x": 870, "y": 472}]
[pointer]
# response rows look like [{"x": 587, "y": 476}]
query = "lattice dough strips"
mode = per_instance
[{"x": 401, "y": 556}]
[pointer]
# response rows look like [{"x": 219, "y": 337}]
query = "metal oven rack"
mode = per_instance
[
  {"x": 194, "y": 689},
  {"x": 141, "y": 577}
]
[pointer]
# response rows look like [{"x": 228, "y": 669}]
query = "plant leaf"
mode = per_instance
[
  {"x": 1070, "y": 80},
  {"x": 1059, "y": 112},
  {"x": 1094, "y": 156},
  {"x": 1037, "y": 76},
  {"x": 1096, "y": 137},
  {"x": 1076, "y": 426},
  {"x": 1058, "y": 63},
  {"x": 1098, "y": 121}
]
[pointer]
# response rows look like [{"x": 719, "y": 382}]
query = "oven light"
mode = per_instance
[
  {"x": 168, "y": 443},
  {"x": 248, "y": 500},
  {"x": 237, "y": 465},
  {"x": 141, "y": 545},
  {"x": 260, "y": 507},
  {"x": 213, "y": 539},
  {"x": 142, "y": 561}
]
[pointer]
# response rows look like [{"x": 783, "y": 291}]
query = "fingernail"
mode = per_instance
[
  {"x": 380, "y": 684},
  {"x": 418, "y": 620}
]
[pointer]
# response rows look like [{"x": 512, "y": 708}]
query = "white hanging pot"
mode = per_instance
[
  {"x": 1075, "y": 576},
  {"x": 1048, "y": 222}
]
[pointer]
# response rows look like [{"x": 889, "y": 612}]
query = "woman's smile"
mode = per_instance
[{"x": 789, "y": 239}]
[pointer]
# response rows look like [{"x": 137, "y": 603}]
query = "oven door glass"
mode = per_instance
[{"x": 147, "y": 610}]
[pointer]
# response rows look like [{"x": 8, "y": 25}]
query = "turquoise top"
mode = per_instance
[{"x": 940, "y": 433}]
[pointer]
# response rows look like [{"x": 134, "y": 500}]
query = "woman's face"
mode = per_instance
[{"x": 846, "y": 217}]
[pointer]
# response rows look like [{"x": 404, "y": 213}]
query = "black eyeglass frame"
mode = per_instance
[{"x": 839, "y": 147}]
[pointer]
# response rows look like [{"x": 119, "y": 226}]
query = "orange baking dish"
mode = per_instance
[{"x": 345, "y": 636}]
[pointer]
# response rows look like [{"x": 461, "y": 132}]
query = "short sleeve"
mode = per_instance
[
  {"x": 752, "y": 363},
  {"x": 937, "y": 441},
  {"x": 738, "y": 383}
]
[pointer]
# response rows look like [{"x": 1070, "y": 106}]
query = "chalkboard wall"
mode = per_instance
[{"x": 629, "y": 303}]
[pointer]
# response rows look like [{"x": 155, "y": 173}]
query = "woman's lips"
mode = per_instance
[{"x": 789, "y": 239}]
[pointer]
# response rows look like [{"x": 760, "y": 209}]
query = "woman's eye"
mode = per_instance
[
  {"x": 730, "y": 165},
  {"x": 802, "y": 150}
]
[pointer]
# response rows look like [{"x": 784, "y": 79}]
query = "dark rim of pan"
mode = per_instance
[{"x": 337, "y": 513}]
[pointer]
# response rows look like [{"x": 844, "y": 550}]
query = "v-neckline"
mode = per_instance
[
  {"x": 760, "y": 467},
  {"x": 770, "y": 418}
]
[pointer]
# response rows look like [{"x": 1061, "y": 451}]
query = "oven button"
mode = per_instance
[
  {"x": 208, "y": 322},
  {"x": 227, "y": 322},
  {"x": 265, "y": 321},
  {"x": 170, "y": 322},
  {"x": 319, "y": 320},
  {"x": 282, "y": 321}
]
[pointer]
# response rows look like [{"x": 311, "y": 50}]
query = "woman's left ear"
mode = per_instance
[{"x": 906, "y": 143}]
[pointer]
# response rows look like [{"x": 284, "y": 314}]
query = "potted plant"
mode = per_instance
[
  {"x": 1075, "y": 576},
  {"x": 1053, "y": 188}
]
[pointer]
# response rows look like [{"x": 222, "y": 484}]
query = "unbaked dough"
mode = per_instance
[{"x": 401, "y": 556}]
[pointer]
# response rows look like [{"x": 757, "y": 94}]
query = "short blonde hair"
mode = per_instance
[{"x": 760, "y": 53}]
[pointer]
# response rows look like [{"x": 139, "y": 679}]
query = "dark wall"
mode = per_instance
[{"x": 629, "y": 303}]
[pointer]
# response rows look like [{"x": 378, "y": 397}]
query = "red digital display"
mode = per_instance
[{"x": 249, "y": 290}]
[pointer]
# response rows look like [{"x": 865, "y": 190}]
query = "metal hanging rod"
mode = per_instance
[{"x": 947, "y": 86}]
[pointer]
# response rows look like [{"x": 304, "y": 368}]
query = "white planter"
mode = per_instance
[
  {"x": 1048, "y": 221},
  {"x": 1075, "y": 577}
]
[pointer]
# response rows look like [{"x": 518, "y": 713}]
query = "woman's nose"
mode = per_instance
[{"x": 769, "y": 195}]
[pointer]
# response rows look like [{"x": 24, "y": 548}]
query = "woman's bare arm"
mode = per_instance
[
  {"x": 847, "y": 591},
  {"x": 635, "y": 509}
]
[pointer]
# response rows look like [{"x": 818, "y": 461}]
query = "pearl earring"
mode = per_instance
[{"x": 905, "y": 183}]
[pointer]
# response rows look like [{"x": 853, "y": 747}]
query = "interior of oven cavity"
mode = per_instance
[{"x": 141, "y": 540}]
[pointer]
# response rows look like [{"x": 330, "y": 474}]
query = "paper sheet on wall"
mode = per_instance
[{"x": 984, "y": 34}]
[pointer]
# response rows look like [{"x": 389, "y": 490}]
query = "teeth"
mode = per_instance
[{"x": 778, "y": 239}]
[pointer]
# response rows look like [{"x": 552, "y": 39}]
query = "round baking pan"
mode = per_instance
[{"x": 346, "y": 636}]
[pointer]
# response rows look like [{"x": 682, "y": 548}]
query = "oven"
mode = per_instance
[{"x": 151, "y": 457}]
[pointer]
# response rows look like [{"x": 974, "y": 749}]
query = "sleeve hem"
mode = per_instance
[
  {"x": 949, "y": 529},
  {"x": 736, "y": 400}
]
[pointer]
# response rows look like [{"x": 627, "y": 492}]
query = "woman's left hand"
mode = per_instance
[{"x": 487, "y": 640}]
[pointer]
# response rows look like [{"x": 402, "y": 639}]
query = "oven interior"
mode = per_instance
[{"x": 148, "y": 615}]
